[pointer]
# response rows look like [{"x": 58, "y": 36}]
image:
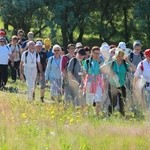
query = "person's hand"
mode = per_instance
[
  {"x": 41, "y": 76},
  {"x": 12, "y": 63},
  {"x": 21, "y": 77}
]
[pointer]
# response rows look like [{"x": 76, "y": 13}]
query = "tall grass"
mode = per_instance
[{"x": 47, "y": 126}]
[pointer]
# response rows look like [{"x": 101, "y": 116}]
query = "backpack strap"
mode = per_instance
[
  {"x": 26, "y": 54},
  {"x": 88, "y": 63},
  {"x": 74, "y": 63},
  {"x": 36, "y": 55},
  {"x": 142, "y": 55},
  {"x": 125, "y": 65},
  {"x": 142, "y": 66},
  {"x": 131, "y": 56},
  {"x": 51, "y": 60}
]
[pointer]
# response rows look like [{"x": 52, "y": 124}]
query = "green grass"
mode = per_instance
[{"x": 47, "y": 126}]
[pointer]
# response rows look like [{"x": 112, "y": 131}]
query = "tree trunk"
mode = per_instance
[
  {"x": 70, "y": 36},
  {"x": 126, "y": 25},
  {"x": 79, "y": 39},
  {"x": 64, "y": 36}
]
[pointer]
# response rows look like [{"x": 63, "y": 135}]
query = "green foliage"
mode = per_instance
[{"x": 68, "y": 21}]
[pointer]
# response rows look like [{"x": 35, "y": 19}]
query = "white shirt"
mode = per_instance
[
  {"x": 31, "y": 60},
  {"x": 145, "y": 74},
  {"x": 4, "y": 54},
  {"x": 15, "y": 49}
]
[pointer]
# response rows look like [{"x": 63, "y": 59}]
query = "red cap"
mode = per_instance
[
  {"x": 2, "y": 33},
  {"x": 147, "y": 53}
]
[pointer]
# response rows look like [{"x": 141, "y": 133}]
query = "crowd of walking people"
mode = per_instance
[{"x": 84, "y": 76}]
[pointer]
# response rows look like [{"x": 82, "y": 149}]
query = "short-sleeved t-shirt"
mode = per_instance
[
  {"x": 120, "y": 71},
  {"x": 31, "y": 60},
  {"x": 136, "y": 58},
  {"x": 92, "y": 66},
  {"x": 75, "y": 68},
  {"x": 5, "y": 52}
]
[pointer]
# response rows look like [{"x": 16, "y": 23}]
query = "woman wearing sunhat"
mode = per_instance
[{"x": 116, "y": 71}]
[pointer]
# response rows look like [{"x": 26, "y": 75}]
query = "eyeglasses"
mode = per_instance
[
  {"x": 2, "y": 41},
  {"x": 96, "y": 53},
  {"x": 56, "y": 50}
]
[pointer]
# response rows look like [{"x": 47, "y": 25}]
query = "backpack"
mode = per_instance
[
  {"x": 26, "y": 54},
  {"x": 124, "y": 62},
  {"x": 74, "y": 63},
  {"x": 141, "y": 54}
]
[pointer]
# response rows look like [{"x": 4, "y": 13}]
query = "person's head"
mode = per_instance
[
  {"x": 31, "y": 46},
  {"x": 147, "y": 54},
  {"x": 38, "y": 46},
  {"x": 80, "y": 54},
  {"x": 112, "y": 52},
  {"x": 137, "y": 46},
  {"x": 2, "y": 41},
  {"x": 30, "y": 36},
  {"x": 119, "y": 55},
  {"x": 79, "y": 45},
  {"x": 122, "y": 45},
  {"x": 47, "y": 43},
  {"x": 14, "y": 39},
  {"x": 87, "y": 50},
  {"x": 62, "y": 51},
  {"x": 20, "y": 33},
  {"x": 2, "y": 33},
  {"x": 104, "y": 50},
  {"x": 95, "y": 52},
  {"x": 56, "y": 50},
  {"x": 71, "y": 48}
]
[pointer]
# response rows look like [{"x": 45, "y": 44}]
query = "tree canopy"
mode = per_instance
[{"x": 110, "y": 21}]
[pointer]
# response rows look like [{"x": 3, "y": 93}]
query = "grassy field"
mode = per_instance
[{"x": 47, "y": 126}]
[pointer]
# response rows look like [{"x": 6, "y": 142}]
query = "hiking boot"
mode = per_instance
[
  {"x": 42, "y": 99},
  {"x": 34, "y": 96}
]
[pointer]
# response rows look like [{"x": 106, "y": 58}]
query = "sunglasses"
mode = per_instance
[{"x": 2, "y": 41}]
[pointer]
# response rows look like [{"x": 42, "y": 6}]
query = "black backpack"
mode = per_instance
[
  {"x": 26, "y": 54},
  {"x": 141, "y": 54}
]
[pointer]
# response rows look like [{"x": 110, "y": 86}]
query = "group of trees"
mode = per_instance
[{"x": 111, "y": 21}]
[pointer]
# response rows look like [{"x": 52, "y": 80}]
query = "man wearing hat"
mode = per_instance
[
  {"x": 75, "y": 73},
  {"x": 142, "y": 78},
  {"x": 5, "y": 55}
]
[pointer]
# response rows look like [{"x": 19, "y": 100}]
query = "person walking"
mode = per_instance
[
  {"x": 4, "y": 56},
  {"x": 93, "y": 82},
  {"x": 53, "y": 73},
  {"x": 15, "y": 62},
  {"x": 28, "y": 67},
  {"x": 75, "y": 76},
  {"x": 142, "y": 80}
]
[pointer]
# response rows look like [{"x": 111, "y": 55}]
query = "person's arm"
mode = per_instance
[
  {"x": 70, "y": 69},
  {"x": 63, "y": 66},
  {"x": 47, "y": 70}
]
